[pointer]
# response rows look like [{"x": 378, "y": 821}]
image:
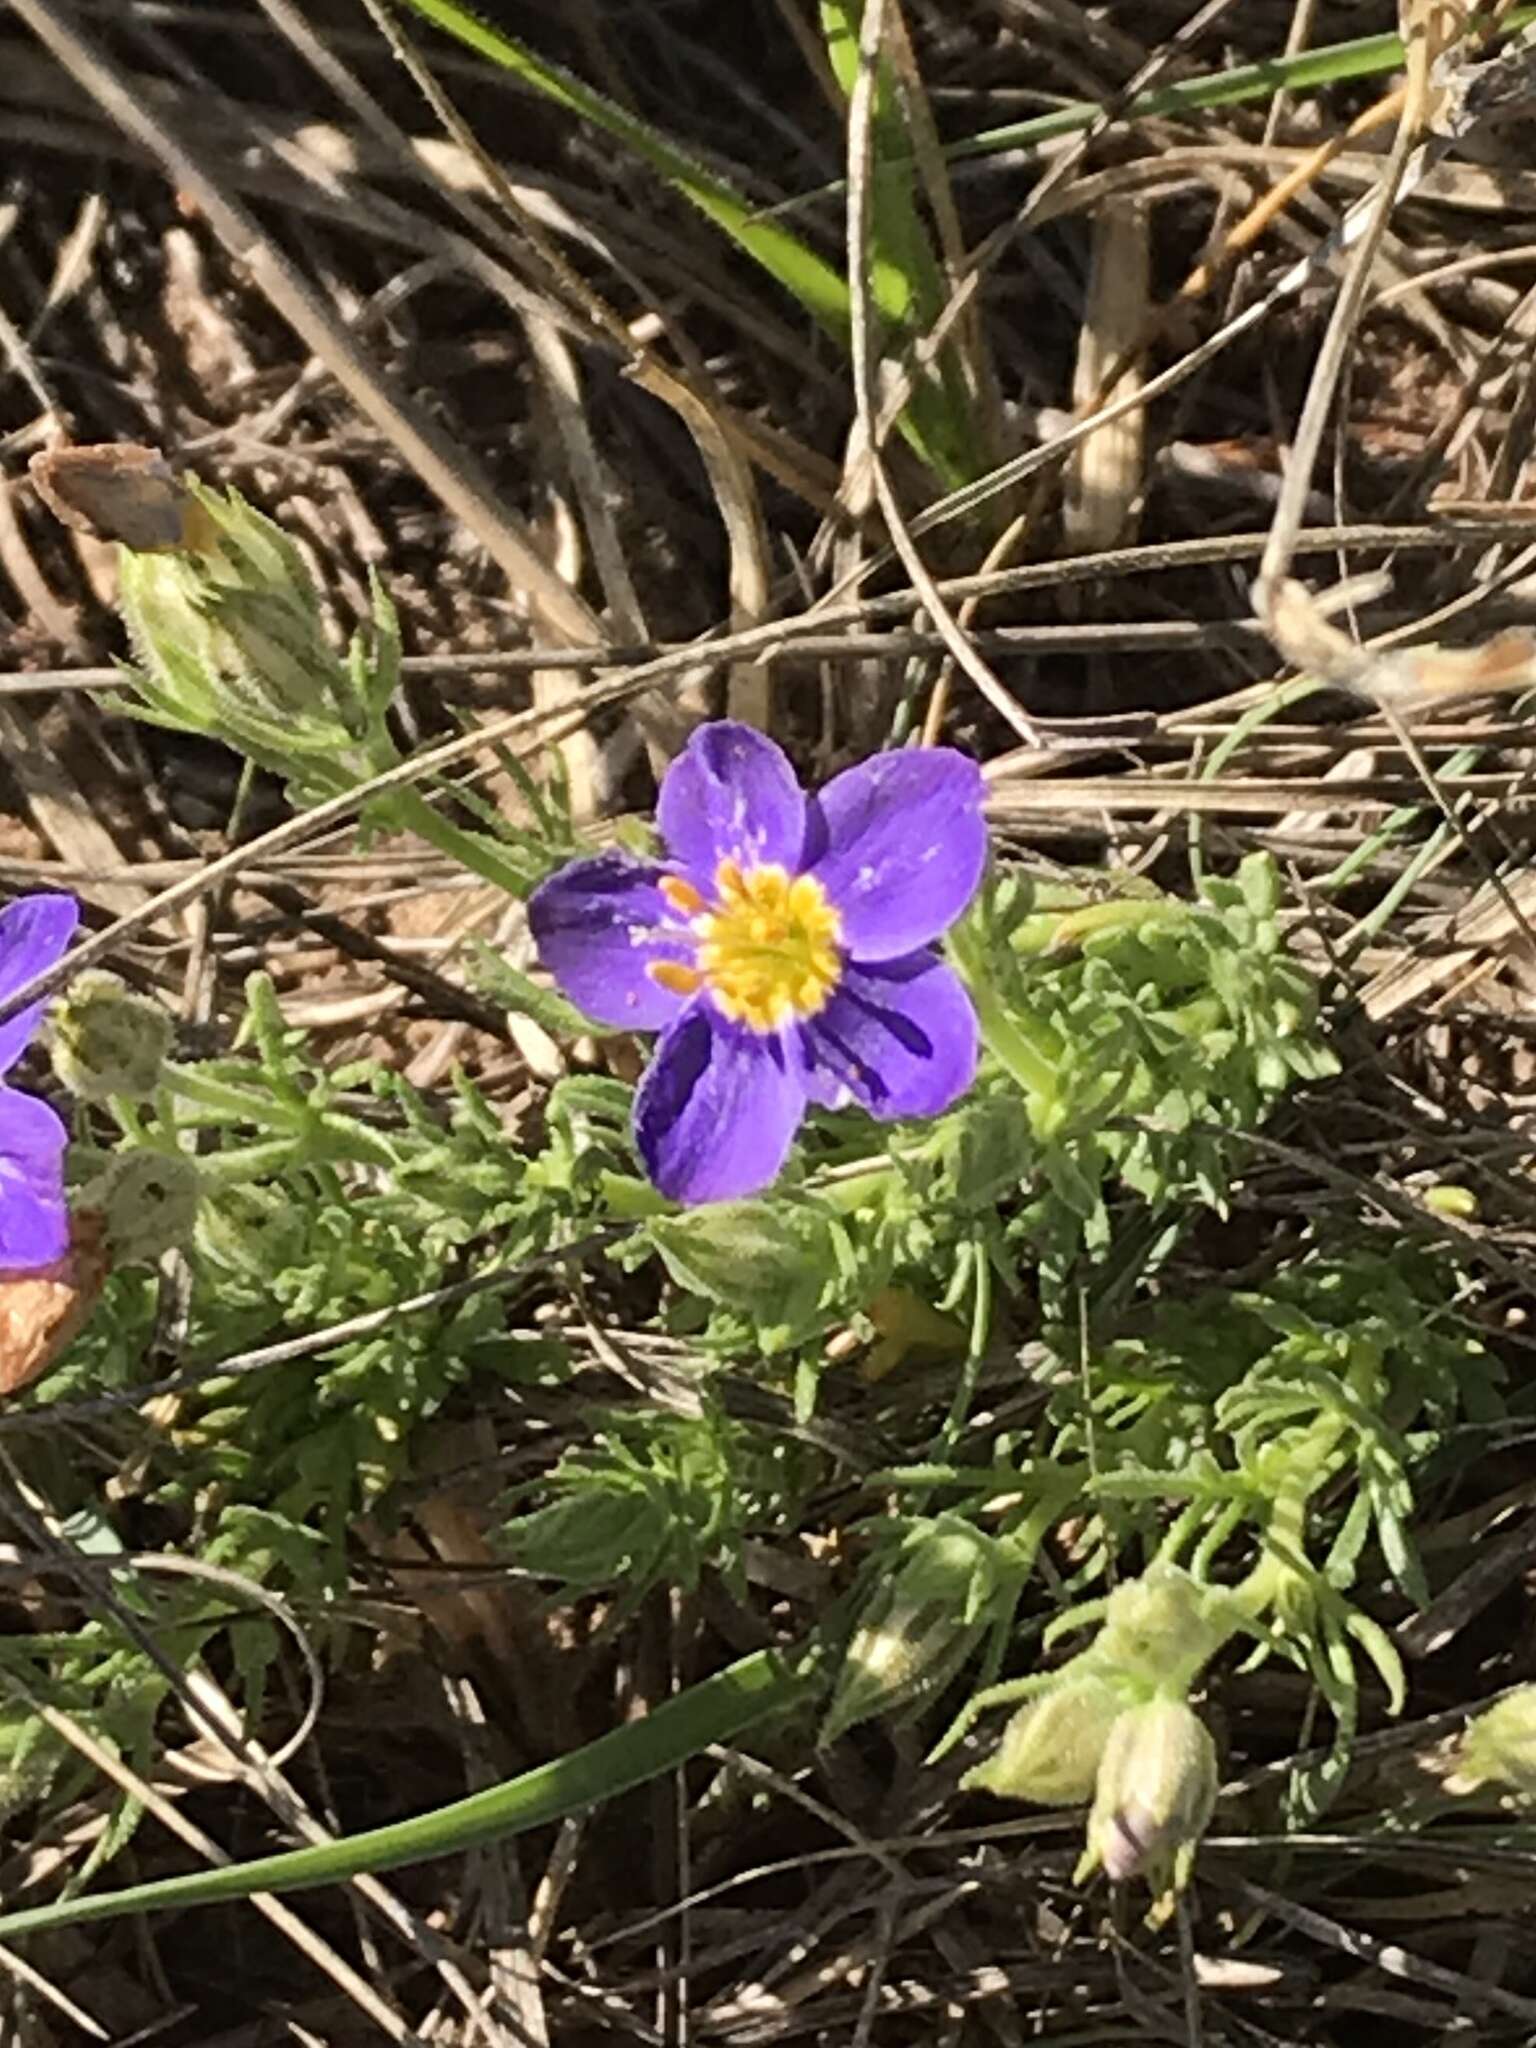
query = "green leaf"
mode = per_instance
[
  {"x": 1382, "y": 1651},
  {"x": 495, "y": 976},
  {"x": 1068, "y": 1181},
  {"x": 588, "y": 1537},
  {"x": 719, "y": 1710},
  {"x": 770, "y": 1261}
]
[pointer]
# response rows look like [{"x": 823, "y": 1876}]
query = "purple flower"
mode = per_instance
[
  {"x": 34, "y": 1222},
  {"x": 784, "y": 951}
]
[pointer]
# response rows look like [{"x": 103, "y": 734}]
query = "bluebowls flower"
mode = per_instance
[
  {"x": 784, "y": 950},
  {"x": 34, "y": 1219}
]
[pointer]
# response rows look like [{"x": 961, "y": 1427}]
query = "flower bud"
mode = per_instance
[
  {"x": 1162, "y": 1629},
  {"x": 1156, "y": 1788},
  {"x": 148, "y": 1202},
  {"x": 1499, "y": 1747},
  {"x": 230, "y": 641},
  {"x": 951, "y": 1583},
  {"x": 109, "y": 1041},
  {"x": 1051, "y": 1749}
]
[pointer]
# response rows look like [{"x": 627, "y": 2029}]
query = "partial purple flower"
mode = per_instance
[
  {"x": 34, "y": 1221},
  {"x": 785, "y": 950}
]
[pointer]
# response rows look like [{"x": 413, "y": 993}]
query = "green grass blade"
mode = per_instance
[
  {"x": 1364, "y": 57},
  {"x": 717, "y": 1710},
  {"x": 906, "y": 280},
  {"x": 907, "y": 296},
  {"x": 819, "y": 288}
]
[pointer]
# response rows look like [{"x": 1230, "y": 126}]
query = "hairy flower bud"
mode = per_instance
[
  {"x": 229, "y": 640},
  {"x": 148, "y": 1202},
  {"x": 1499, "y": 1748},
  {"x": 1162, "y": 1629},
  {"x": 1156, "y": 1788},
  {"x": 109, "y": 1041},
  {"x": 948, "y": 1583},
  {"x": 1051, "y": 1749}
]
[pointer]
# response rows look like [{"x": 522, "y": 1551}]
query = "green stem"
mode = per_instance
[
  {"x": 228, "y": 1101},
  {"x": 718, "y": 1710},
  {"x": 408, "y": 811},
  {"x": 240, "y": 1165},
  {"x": 1272, "y": 706},
  {"x": 301, "y": 1134},
  {"x": 1028, "y": 1049}
]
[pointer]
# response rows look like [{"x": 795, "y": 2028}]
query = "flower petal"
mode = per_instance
[
  {"x": 33, "y": 936},
  {"x": 898, "y": 1037},
  {"x": 34, "y": 1221},
  {"x": 717, "y": 1109},
  {"x": 731, "y": 795},
  {"x": 899, "y": 844},
  {"x": 598, "y": 925}
]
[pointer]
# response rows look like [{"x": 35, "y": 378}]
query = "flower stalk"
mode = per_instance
[{"x": 1026, "y": 1048}]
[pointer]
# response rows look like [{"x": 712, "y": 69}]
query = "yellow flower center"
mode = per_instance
[{"x": 768, "y": 951}]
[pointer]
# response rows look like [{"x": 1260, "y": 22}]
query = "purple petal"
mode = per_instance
[
  {"x": 33, "y": 936},
  {"x": 598, "y": 925},
  {"x": 34, "y": 1221},
  {"x": 898, "y": 1037},
  {"x": 899, "y": 843},
  {"x": 717, "y": 1109},
  {"x": 731, "y": 795}
]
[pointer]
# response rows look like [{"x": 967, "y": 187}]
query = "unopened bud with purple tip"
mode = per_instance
[{"x": 1156, "y": 1788}]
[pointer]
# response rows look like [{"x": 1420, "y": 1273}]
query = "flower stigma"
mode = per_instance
[{"x": 768, "y": 952}]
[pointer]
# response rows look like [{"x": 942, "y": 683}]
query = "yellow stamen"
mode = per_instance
[
  {"x": 682, "y": 895},
  {"x": 673, "y": 975},
  {"x": 769, "y": 950}
]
